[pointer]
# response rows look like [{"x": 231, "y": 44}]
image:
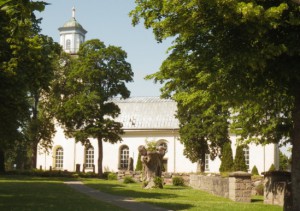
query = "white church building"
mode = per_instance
[{"x": 144, "y": 119}]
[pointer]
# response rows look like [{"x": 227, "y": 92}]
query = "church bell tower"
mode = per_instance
[{"x": 72, "y": 34}]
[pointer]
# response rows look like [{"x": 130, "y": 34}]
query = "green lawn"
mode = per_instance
[
  {"x": 178, "y": 198},
  {"x": 29, "y": 193},
  {"x": 26, "y": 193}
]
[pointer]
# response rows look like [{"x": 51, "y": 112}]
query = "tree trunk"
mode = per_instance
[
  {"x": 34, "y": 156},
  {"x": 202, "y": 163},
  {"x": 2, "y": 163},
  {"x": 296, "y": 155},
  {"x": 100, "y": 157}
]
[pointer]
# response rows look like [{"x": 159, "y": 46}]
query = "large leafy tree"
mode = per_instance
[
  {"x": 43, "y": 57},
  {"x": 203, "y": 130},
  {"x": 84, "y": 92},
  {"x": 248, "y": 54},
  {"x": 19, "y": 28}
]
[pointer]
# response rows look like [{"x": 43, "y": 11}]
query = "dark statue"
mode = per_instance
[{"x": 152, "y": 166}]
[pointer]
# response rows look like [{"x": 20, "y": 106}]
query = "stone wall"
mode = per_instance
[
  {"x": 240, "y": 186},
  {"x": 237, "y": 187},
  {"x": 213, "y": 184},
  {"x": 278, "y": 189}
]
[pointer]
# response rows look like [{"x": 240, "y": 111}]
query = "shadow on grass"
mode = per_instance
[
  {"x": 23, "y": 193},
  {"x": 158, "y": 196},
  {"x": 257, "y": 200}
]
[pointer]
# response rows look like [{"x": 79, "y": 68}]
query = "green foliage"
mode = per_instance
[
  {"x": 226, "y": 159},
  {"x": 27, "y": 62},
  {"x": 112, "y": 176},
  {"x": 177, "y": 181},
  {"x": 158, "y": 182},
  {"x": 139, "y": 165},
  {"x": 82, "y": 97},
  {"x": 241, "y": 54},
  {"x": 284, "y": 162},
  {"x": 151, "y": 146},
  {"x": 254, "y": 171},
  {"x": 239, "y": 161},
  {"x": 128, "y": 179},
  {"x": 272, "y": 168}
]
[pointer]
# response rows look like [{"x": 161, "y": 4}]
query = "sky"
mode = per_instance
[{"x": 108, "y": 20}]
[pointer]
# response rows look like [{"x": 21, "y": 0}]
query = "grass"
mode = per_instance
[
  {"x": 178, "y": 198},
  {"x": 29, "y": 193},
  {"x": 33, "y": 193}
]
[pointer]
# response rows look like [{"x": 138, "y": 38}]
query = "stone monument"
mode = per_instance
[{"x": 152, "y": 161}]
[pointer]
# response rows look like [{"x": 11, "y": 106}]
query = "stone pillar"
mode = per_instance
[
  {"x": 277, "y": 189},
  {"x": 240, "y": 186}
]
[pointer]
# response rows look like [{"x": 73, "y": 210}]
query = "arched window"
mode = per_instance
[
  {"x": 89, "y": 157},
  {"x": 59, "y": 158},
  {"x": 68, "y": 44},
  {"x": 246, "y": 153},
  {"x": 124, "y": 157}
]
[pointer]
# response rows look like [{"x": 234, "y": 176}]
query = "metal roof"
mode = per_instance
[{"x": 147, "y": 113}]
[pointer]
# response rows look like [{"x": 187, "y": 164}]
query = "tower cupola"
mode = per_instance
[{"x": 72, "y": 34}]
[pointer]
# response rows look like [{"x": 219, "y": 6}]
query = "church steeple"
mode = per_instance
[{"x": 72, "y": 34}]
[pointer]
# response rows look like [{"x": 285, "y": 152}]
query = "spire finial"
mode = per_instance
[{"x": 73, "y": 12}]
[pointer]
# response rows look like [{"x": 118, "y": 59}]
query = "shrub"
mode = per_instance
[
  {"x": 158, "y": 182},
  {"x": 226, "y": 160},
  {"x": 178, "y": 181},
  {"x": 139, "y": 166},
  {"x": 239, "y": 161},
  {"x": 254, "y": 171},
  {"x": 151, "y": 146},
  {"x": 112, "y": 176},
  {"x": 272, "y": 168},
  {"x": 105, "y": 174},
  {"x": 128, "y": 179}
]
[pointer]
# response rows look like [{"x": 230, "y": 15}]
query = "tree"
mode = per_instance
[
  {"x": 201, "y": 130},
  {"x": 18, "y": 26},
  {"x": 239, "y": 160},
  {"x": 284, "y": 162},
  {"x": 254, "y": 171},
  {"x": 83, "y": 94},
  {"x": 43, "y": 57},
  {"x": 139, "y": 166},
  {"x": 248, "y": 53},
  {"x": 226, "y": 159}
]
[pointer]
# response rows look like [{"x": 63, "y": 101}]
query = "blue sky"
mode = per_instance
[{"x": 108, "y": 21}]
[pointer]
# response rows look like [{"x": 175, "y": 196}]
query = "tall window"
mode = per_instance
[
  {"x": 246, "y": 153},
  {"x": 68, "y": 44},
  {"x": 124, "y": 157},
  {"x": 89, "y": 157},
  {"x": 59, "y": 158},
  {"x": 206, "y": 162}
]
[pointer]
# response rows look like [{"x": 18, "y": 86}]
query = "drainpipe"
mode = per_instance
[
  {"x": 264, "y": 159},
  {"x": 74, "y": 167},
  {"x": 174, "y": 150}
]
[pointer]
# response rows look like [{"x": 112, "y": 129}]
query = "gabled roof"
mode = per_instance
[{"x": 147, "y": 113}]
